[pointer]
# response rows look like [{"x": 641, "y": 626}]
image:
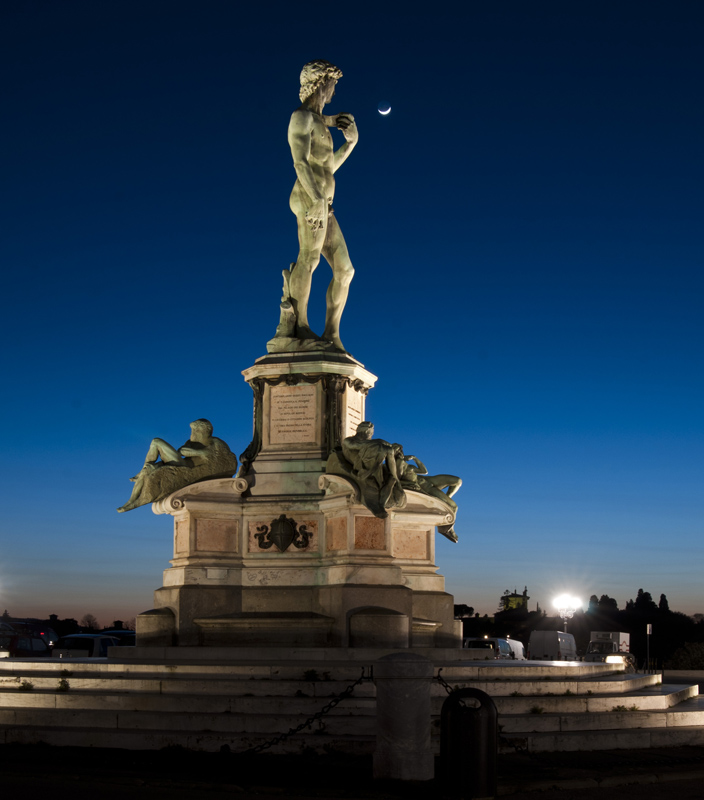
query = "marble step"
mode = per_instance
[
  {"x": 605, "y": 685},
  {"x": 688, "y": 713},
  {"x": 660, "y": 697},
  {"x": 617, "y": 739},
  {"x": 93, "y": 682},
  {"x": 648, "y": 698},
  {"x": 351, "y": 744},
  {"x": 267, "y": 724},
  {"x": 186, "y": 704},
  {"x": 321, "y": 743},
  {"x": 260, "y": 681},
  {"x": 293, "y": 669},
  {"x": 190, "y": 686},
  {"x": 12, "y": 668}
]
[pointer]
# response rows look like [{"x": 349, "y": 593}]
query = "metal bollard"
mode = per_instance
[{"x": 469, "y": 739}]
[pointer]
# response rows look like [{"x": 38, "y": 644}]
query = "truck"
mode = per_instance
[
  {"x": 610, "y": 647},
  {"x": 552, "y": 646}
]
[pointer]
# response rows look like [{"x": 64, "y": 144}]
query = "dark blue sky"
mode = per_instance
[{"x": 526, "y": 226}]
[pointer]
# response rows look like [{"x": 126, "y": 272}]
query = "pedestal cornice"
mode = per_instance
[{"x": 276, "y": 366}]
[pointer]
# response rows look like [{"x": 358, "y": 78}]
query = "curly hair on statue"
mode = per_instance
[{"x": 315, "y": 73}]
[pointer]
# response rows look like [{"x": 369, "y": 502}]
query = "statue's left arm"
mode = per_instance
[
  {"x": 344, "y": 122},
  {"x": 421, "y": 469}
]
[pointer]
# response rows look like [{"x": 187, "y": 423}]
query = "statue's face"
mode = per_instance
[
  {"x": 197, "y": 433},
  {"x": 328, "y": 90},
  {"x": 366, "y": 432}
]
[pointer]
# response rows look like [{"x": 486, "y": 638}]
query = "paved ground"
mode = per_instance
[{"x": 34, "y": 771}]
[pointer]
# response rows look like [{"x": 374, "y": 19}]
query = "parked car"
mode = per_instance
[
  {"x": 48, "y": 634},
  {"x": 18, "y": 644},
  {"x": 84, "y": 645},
  {"x": 494, "y": 647},
  {"x": 481, "y": 649},
  {"x": 124, "y": 638}
]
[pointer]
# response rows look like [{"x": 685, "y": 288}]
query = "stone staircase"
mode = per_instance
[
  {"x": 202, "y": 705},
  {"x": 608, "y": 711}
]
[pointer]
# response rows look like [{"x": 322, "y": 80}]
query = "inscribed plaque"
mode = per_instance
[
  {"x": 292, "y": 414},
  {"x": 354, "y": 411}
]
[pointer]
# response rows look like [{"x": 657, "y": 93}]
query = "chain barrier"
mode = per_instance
[
  {"x": 446, "y": 686},
  {"x": 326, "y": 709}
]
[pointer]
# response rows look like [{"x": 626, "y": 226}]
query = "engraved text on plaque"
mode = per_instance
[
  {"x": 354, "y": 409},
  {"x": 292, "y": 417}
]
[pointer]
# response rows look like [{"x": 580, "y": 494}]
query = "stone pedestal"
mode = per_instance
[
  {"x": 286, "y": 554},
  {"x": 403, "y": 751}
]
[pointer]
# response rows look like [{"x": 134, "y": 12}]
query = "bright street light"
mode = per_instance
[{"x": 566, "y": 605}]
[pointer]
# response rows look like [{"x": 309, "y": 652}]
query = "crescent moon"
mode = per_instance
[{"x": 384, "y": 113}]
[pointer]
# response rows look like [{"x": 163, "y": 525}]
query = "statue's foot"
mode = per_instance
[
  {"x": 334, "y": 339},
  {"x": 449, "y": 532},
  {"x": 304, "y": 332}
]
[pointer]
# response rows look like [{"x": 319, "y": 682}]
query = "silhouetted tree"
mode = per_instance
[
  {"x": 462, "y": 610},
  {"x": 607, "y": 604},
  {"x": 644, "y": 603},
  {"x": 90, "y": 622},
  {"x": 663, "y": 605},
  {"x": 5, "y": 616},
  {"x": 593, "y": 604}
]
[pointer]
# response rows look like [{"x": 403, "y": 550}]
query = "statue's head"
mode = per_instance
[
  {"x": 365, "y": 429},
  {"x": 314, "y": 75},
  {"x": 202, "y": 428}
]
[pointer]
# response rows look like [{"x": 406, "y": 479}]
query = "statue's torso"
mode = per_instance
[{"x": 321, "y": 158}]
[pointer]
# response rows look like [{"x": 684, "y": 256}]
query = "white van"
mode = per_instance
[
  {"x": 518, "y": 650},
  {"x": 552, "y": 646}
]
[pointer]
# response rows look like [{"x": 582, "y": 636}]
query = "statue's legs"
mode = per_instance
[
  {"x": 310, "y": 247},
  {"x": 430, "y": 487},
  {"x": 136, "y": 491},
  {"x": 335, "y": 252},
  {"x": 158, "y": 449},
  {"x": 161, "y": 449},
  {"x": 450, "y": 482}
]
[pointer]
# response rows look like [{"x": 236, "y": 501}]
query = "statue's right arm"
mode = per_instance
[{"x": 299, "y": 131}]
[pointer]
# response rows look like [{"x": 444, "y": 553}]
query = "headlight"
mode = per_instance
[{"x": 614, "y": 659}]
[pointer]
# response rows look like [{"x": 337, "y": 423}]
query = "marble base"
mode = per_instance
[{"x": 286, "y": 554}]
